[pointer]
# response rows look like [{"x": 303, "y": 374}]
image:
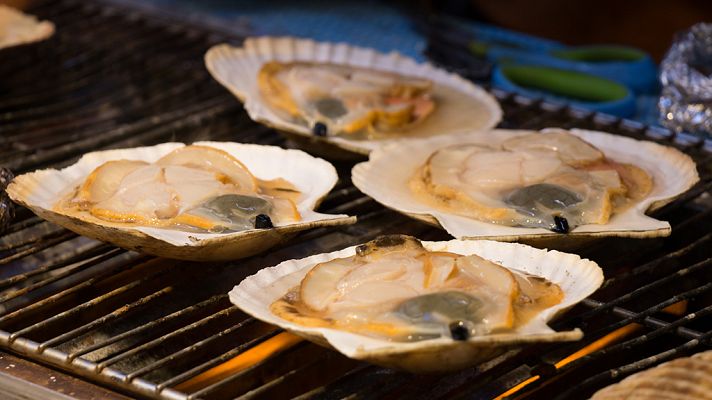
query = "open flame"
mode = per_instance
[
  {"x": 286, "y": 340},
  {"x": 240, "y": 362},
  {"x": 678, "y": 308}
]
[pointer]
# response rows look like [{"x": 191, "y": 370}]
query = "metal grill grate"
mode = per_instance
[{"x": 117, "y": 78}]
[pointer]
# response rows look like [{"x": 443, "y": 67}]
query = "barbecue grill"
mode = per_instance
[{"x": 147, "y": 327}]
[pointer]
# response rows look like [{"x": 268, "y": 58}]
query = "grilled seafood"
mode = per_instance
[
  {"x": 552, "y": 180},
  {"x": 194, "y": 188},
  {"x": 394, "y": 288},
  {"x": 339, "y": 99}
]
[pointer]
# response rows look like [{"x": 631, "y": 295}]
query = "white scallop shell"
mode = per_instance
[
  {"x": 312, "y": 176},
  {"x": 19, "y": 28},
  {"x": 577, "y": 277},
  {"x": 236, "y": 68},
  {"x": 385, "y": 178}
]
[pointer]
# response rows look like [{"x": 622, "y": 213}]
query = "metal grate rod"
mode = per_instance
[
  {"x": 113, "y": 360},
  {"x": 27, "y": 223},
  {"x": 55, "y": 297},
  {"x": 64, "y": 236},
  {"x": 648, "y": 321},
  {"x": 646, "y": 288},
  {"x": 234, "y": 377},
  {"x": 86, "y": 305},
  {"x": 97, "y": 250},
  {"x": 184, "y": 376},
  {"x": 150, "y": 326},
  {"x": 192, "y": 348},
  {"x": 106, "y": 318},
  {"x": 637, "y": 366},
  {"x": 85, "y": 265},
  {"x": 655, "y": 264}
]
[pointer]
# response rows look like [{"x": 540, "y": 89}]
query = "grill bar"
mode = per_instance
[
  {"x": 59, "y": 263},
  {"x": 157, "y": 341},
  {"x": 56, "y": 277},
  {"x": 195, "y": 347},
  {"x": 149, "y": 326},
  {"x": 215, "y": 386},
  {"x": 642, "y": 364},
  {"x": 30, "y": 249},
  {"x": 82, "y": 307},
  {"x": 107, "y": 318},
  {"x": 656, "y": 323},
  {"x": 57, "y": 296},
  {"x": 197, "y": 370},
  {"x": 647, "y": 288}
]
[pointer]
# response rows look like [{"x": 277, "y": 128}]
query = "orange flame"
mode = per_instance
[
  {"x": 240, "y": 362},
  {"x": 678, "y": 308}
]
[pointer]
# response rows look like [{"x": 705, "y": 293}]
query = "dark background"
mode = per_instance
[{"x": 648, "y": 25}]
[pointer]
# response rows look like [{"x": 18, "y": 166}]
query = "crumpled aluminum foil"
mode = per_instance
[{"x": 686, "y": 74}]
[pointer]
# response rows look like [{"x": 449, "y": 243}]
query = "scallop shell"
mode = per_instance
[
  {"x": 20, "y": 28},
  {"x": 577, "y": 277},
  {"x": 385, "y": 178},
  {"x": 313, "y": 177},
  {"x": 236, "y": 68},
  {"x": 682, "y": 378}
]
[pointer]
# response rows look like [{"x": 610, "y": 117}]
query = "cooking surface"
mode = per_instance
[{"x": 152, "y": 327}]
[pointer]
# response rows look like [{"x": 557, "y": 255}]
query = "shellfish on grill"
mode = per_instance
[
  {"x": 351, "y": 97},
  {"x": 422, "y": 306},
  {"x": 207, "y": 201},
  {"x": 516, "y": 184},
  {"x": 17, "y": 28}
]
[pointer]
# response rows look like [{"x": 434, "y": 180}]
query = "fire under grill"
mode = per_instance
[{"x": 114, "y": 77}]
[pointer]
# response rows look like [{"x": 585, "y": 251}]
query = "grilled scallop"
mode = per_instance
[
  {"x": 422, "y": 306},
  {"x": 345, "y": 100},
  {"x": 551, "y": 180},
  {"x": 192, "y": 187},
  {"x": 206, "y": 202},
  {"x": 394, "y": 288},
  {"x": 332, "y": 97},
  {"x": 527, "y": 185}
]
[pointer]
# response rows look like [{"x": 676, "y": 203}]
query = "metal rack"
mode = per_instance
[{"x": 145, "y": 326}]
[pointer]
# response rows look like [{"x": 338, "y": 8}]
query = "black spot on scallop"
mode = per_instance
[
  {"x": 319, "y": 129},
  {"x": 561, "y": 224},
  {"x": 459, "y": 331},
  {"x": 263, "y": 221}
]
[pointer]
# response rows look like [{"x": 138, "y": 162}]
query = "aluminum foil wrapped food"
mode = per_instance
[
  {"x": 7, "y": 209},
  {"x": 686, "y": 74}
]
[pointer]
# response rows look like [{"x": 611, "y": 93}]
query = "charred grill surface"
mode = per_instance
[{"x": 146, "y": 326}]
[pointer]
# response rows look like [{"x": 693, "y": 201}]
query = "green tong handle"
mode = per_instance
[{"x": 565, "y": 83}]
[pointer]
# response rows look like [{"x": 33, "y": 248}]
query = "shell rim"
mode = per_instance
[
  {"x": 17, "y": 188},
  {"x": 488, "y": 101},
  {"x": 42, "y": 30},
  {"x": 586, "y": 267},
  {"x": 361, "y": 171}
]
